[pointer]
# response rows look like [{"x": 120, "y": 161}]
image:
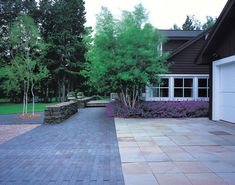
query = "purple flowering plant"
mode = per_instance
[{"x": 159, "y": 109}]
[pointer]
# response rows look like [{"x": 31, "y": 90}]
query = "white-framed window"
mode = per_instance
[
  {"x": 161, "y": 90},
  {"x": 183, "y": 87},
  {"x": 179, "y": 87},
  {"x": 203, "y": 87}
]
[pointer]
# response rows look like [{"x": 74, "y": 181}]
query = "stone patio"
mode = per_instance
[{"x": 176, "y": 151}]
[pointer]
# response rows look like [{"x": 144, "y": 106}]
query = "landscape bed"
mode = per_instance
[{"x": 159, "y": 109}]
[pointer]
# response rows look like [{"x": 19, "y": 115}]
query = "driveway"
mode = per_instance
[
  {"x": 176, "y": 151},
  {"x": 81, "y": 150}
]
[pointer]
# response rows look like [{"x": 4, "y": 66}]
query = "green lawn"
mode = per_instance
[{"x": 12, "y": 108}]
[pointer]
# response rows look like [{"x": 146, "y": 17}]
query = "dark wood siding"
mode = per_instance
[
  {"x": 226, "y": 44},
  {"x": 173, "y": 44},
  {"x": 184, "y": 61},
  {"x": 222, "y": 43}
]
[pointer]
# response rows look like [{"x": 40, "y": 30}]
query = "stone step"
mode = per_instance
[{"x": 97, "y": 103}]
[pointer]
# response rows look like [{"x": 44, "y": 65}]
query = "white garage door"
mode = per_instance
[{"x": 224, "y": 89}]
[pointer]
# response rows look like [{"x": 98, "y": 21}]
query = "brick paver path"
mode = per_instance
[
  {"x": 82, "y": 150},
  {"x": 8, "y": 132}
]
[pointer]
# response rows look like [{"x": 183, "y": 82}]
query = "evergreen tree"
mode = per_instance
[
  {"x": 191, "y": 23},
  {"x": 210, "y": 21},
  {"x": 176, "y": 27},
  {"x": 62, "y": 22}
]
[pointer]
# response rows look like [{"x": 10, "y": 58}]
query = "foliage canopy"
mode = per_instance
[{"x": 125, "y": 55}]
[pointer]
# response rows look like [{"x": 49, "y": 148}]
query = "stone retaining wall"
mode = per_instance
[{"x": 60, "y": 112}]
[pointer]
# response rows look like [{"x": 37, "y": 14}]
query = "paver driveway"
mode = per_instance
[
  {"x": 176, "y": 151},
  {"x": 82, "y": 150}
]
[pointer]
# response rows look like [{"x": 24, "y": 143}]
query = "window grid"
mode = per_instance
[
  {"x": 160, "y": 87},
  {"x": 183, "y": 88}
]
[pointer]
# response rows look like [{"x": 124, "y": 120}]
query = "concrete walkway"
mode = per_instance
[
  {"x": 82, "y": 150},
  {"x": 176, "y": 151}
]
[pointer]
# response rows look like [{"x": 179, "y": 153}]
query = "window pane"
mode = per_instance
[
  {"x": 178, "y": 82},
  {"x": 165, "y": 83},
  {"x": 188, "y": 82},
  {"x": 202, "y": 82},
  {"x": 164, "y": 92},
  {"x": 155, "y": 92},
  {"x": 202, "y": 92},
  {"x": 178, "y": 92},
  {"x": 188, "y": 93}
]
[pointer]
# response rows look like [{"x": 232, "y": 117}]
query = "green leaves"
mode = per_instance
[
  {"x": 28, "y": 49},
  {"x": 123, "y": 53}
]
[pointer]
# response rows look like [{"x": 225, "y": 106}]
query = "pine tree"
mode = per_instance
[
  {"x": 64, "y": 34},
  {"x": 191, "y": 23}
]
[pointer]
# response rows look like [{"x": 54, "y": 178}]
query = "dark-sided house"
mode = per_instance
[
  {"x": 186, "y": 80},
  {"x": 219, "y": 53}
]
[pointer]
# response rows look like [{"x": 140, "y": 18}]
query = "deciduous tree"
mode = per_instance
[
  {"x": 26, "y": 68},
  {"x": 124, "y": 55}
]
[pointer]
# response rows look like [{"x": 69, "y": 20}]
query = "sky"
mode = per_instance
[{"x": 162, "y": 13}]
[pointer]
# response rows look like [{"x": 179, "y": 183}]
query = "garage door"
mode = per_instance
[
  {"x": 224, "y": 90},
  {"x": 227, "y": 92}
]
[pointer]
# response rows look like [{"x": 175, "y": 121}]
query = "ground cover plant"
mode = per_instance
[{"x": 159, "y": 109}]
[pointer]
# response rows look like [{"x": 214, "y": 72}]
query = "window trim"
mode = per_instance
[{"x": 171, "y": 97}]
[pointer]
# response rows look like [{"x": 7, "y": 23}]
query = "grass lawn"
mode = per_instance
[{"x": 13, "y": 108}]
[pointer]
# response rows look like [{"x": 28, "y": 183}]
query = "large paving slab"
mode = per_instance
[
  {"x": 81, "y": 150},
  {"x": 176, "y": 151}
]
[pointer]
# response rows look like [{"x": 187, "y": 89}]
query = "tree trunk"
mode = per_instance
[
  {"x": 24, "y": 99},
  {"x": 32, "y": 86},
  {"x": 59, "y": 91},
  {"x": 46, "y": 94},
  {"x": 68, "y": 88},
  {"x": 26, "y": 96},
  {"x": 129, "y": 97},
  {"x": 63, "y": 90}
]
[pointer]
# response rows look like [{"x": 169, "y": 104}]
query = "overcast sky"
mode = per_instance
[{"x": 162, "y": 13}]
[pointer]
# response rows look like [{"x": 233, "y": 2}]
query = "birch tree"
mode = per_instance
[
  {"x": 124, "y": 55},
  {"x": 27, "y": 49}
]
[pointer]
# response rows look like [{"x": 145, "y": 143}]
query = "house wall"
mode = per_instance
[
  {"x": 184, "y": 61},
  {"x": 171, "y": 45},
  {"x": 226, "y": 44}
]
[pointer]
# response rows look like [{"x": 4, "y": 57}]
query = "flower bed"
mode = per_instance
[{"x": 159, "y": 109}]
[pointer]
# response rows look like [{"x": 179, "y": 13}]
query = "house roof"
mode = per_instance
[
  {"x": 216, "y": 30},
  {"x": 180, "y": 33}
]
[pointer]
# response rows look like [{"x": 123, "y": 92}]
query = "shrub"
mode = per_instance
[{"x": 159, "y": 109}]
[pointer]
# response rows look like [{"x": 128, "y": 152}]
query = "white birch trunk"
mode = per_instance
[{"x": 32, "y": 92}]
